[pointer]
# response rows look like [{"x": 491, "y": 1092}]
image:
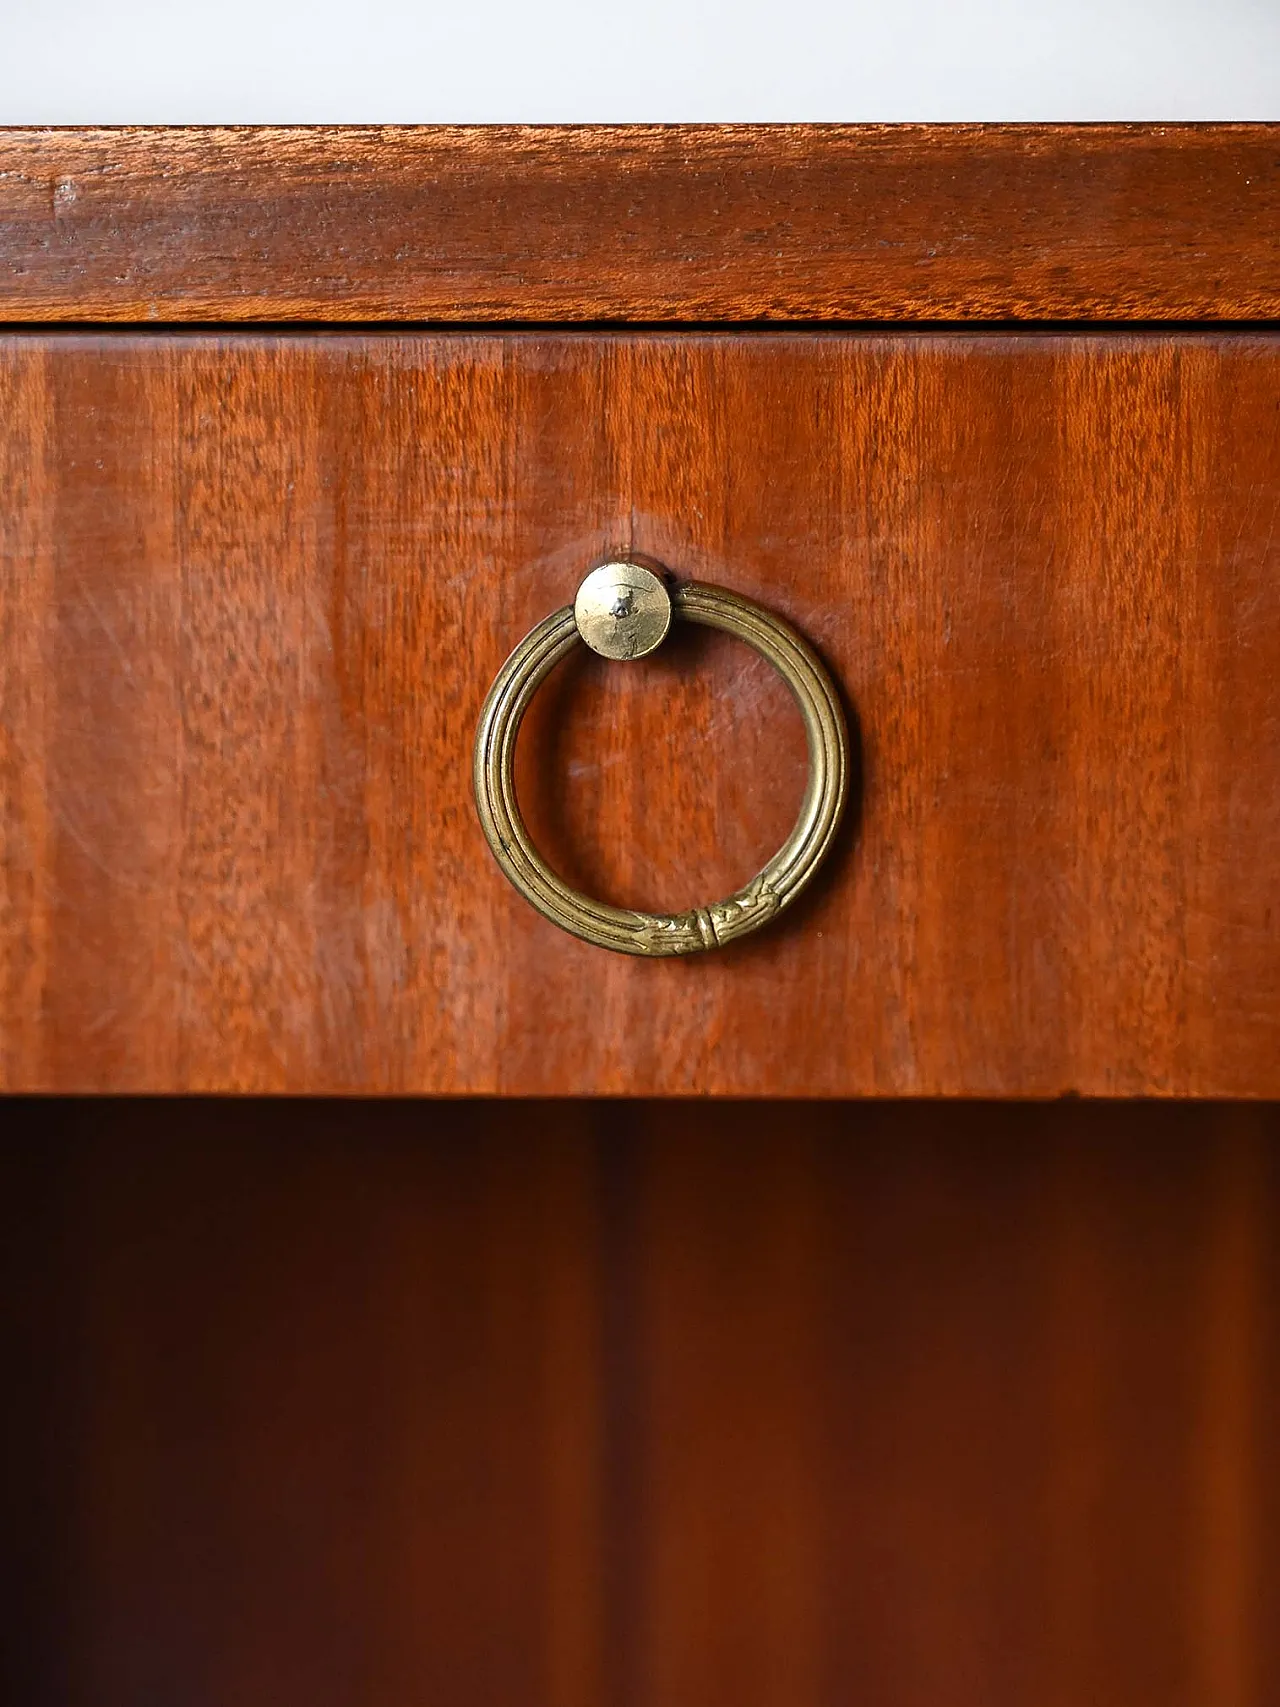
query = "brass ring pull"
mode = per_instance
[{"x": 623, "y": 611}]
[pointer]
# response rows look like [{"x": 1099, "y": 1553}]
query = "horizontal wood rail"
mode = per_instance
[{"x": 641, "y": 223}]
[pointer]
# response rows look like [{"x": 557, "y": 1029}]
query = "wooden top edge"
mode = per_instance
[{"x": 679, "y": 223}]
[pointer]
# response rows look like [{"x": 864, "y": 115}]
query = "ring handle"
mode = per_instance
[{"x": 623, "y": 611}]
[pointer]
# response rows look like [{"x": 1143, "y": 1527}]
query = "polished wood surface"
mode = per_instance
[
  {"x": 687, "y": 1406},
  {"x": 666, "y": 222},
  {"x": 256, "y": 587}
]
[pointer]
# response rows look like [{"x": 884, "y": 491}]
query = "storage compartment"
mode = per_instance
[{"x": 741, "y": 1405}]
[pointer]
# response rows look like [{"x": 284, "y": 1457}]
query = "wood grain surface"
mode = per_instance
[
  {"x": 669, "y": 222},
  {"x": 256, "y": 586},
  {"x": 711, "y": 1406}
]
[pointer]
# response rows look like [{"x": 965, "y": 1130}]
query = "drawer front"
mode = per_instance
[{"x": 255, "y": 587}]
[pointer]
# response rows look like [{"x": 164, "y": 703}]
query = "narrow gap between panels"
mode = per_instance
[{"x": 571, "y": 328}]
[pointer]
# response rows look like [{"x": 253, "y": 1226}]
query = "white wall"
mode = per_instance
[{"x": 260, "y": 61}]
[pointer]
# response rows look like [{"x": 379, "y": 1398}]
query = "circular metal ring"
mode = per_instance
[{"x": 772, "y": 889}]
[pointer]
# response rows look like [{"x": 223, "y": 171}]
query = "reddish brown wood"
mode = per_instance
[
  {"x": 256, "y": 587},
  {"x": 728, "y": 1405},
  {"x": 936, "y": 222}
]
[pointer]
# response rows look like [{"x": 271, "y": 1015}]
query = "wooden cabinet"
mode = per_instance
[{"x": 640, "y": 1402}]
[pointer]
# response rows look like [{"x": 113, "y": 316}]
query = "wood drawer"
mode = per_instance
[{"x": 256, "y": 585}]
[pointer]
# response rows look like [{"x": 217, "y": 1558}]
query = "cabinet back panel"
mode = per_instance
[{"x": 632, "y": 1405}]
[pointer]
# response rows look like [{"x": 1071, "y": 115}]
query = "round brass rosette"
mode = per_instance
[{"x": 623, "y": 610}]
